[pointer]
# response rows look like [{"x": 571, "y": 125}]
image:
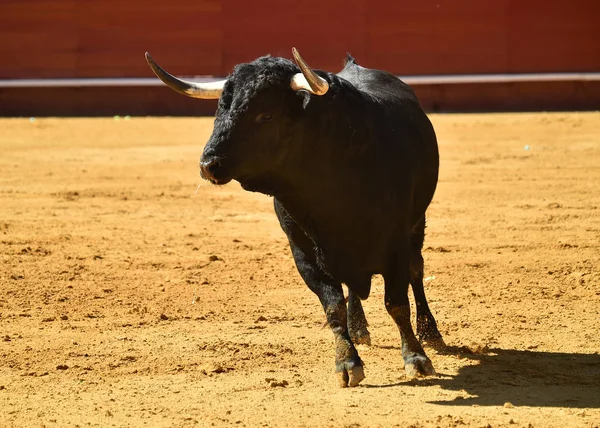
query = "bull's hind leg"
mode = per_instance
[
  {"x": 416, "y": 362},
  {"x": 357, "y": 322},
  {"x": 427, "y": 329}
]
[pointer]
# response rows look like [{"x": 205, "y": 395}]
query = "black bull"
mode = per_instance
[{"x": 352, "y": 162}]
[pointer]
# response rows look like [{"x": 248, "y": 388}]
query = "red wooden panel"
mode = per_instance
[
  {"x": 323, "y": 31},
  {"x": 66, "y": 38},
  {"x": 438, "y": 36},
  {"x": 554, "y": 36},
  {"x": 183, "y": 35},
  {"x": 37, "y": 39}
]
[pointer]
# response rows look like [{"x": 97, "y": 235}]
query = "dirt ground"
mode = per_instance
[{"x": 135, "y": 294}]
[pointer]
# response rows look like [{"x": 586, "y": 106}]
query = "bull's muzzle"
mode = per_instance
[{"x": 212, "y": 171}]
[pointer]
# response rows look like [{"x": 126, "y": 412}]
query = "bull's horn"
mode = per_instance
[
  {"x": 308, "y": 79},
  {"x": 207, "y": 90}
]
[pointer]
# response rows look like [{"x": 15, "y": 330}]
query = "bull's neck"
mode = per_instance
[
  {"x": 317, "y": 192},
  {"x": 318, "y": 179}
]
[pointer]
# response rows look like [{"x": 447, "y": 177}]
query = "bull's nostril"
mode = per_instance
[
  {"x": 213, "y": 167},
  {"x": 209, "y": 169}
]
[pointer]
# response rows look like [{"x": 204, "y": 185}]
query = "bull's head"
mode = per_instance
[{"x": 259, "y": 114}]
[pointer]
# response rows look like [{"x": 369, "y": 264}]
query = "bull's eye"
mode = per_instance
[{"x": 263, "y": 117}]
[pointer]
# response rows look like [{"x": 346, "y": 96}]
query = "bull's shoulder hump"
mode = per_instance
[{"x": 376, "y": 82}]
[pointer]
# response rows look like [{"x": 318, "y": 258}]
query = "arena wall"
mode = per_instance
[{"x": 49, "y": 39}]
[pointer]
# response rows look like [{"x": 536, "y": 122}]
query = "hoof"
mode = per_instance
[
  {"x": 418, "y": 365},
  {"x": 350, "y": 377}
]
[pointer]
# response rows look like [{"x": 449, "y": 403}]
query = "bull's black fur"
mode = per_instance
[{"x": 352, "y": 173}]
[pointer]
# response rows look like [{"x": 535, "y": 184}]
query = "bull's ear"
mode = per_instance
[{"x": 304, "y": 97}]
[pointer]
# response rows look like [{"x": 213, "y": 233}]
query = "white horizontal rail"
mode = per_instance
[
  {"x": 499, "y": 78},
  {"x": 87, "y": 82},
  {"x": 449, "y": 79}
]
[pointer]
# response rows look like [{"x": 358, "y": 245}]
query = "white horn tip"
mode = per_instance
[{"x": 295, "y": 54}]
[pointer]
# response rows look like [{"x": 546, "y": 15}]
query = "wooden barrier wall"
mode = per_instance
[{"x": 68, "y": 38}]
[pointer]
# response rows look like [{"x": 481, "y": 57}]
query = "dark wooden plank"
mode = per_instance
[
  {"x": 438, "y": 36},
  {"x": 322, "y": 31},
  {"x": 554, "y": 36},
  {"x": 38, "y": 37},
  {"x": 184, "y": 35}
]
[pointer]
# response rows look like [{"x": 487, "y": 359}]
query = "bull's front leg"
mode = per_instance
[
  {"x": 416, "y": 363},
  {"x": 348, "y": 364}
]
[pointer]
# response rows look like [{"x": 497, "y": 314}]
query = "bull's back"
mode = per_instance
[{"x": 402, "y": 128}]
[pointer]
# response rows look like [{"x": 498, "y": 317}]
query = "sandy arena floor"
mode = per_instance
[{"x": 132, "y": 297}]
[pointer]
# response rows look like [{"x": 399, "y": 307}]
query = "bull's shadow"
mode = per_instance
[
  {"x": 526, "y": 378},
  {"x": 523, "y": 378}
]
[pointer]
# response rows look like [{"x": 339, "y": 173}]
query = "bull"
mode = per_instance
[{"x": 352, "y": 162}]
